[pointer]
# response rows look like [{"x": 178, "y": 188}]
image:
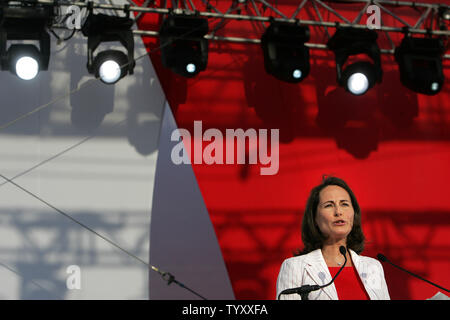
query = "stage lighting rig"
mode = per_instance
[
  {"x": 444, "y": 12},
  {"x": 285, "y": 55},
  {"x": 360, "y": 76},
  {"x": 109, "y": 65},
  {"x": 184, "y": 48},
  {"x": 20, "y": 22},
  {"x": 420, "y": 64}
]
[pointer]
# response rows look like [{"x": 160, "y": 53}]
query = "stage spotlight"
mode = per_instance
[
  {"x": 420, "y": 64},
  {"x": 285, "y": 55},
  {"x": 110, "y": 65},
  {"x": 191, "y": 68},
  {"x": 24, "y": 61},
  {"x": 184, "y": 48},
  {"x": 358, "y": 83},
  {"x": 25, "y": 23},
  {"x": 361, "y": 76},
  {"x": 444, "y": 13}
]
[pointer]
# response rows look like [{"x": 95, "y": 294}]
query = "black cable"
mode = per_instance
[
  {"x": 5, "y": 126},
  {"x": 63, "y": 39},
  {"x": 56, "y": 156},
  {"x": 30, "y": 280},
  {"x": 62, "y": 21},
  {"x": 165, "y": 275}
]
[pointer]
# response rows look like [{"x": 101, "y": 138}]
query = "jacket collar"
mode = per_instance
[
  {"x": 319, "y": 272},
  {"x": 364, "y": 273}
]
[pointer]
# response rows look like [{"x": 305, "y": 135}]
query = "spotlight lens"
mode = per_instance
[
  {"x": 191, "y": 68},
  {"x": 27, "y": 68},
  {"x": 358, "y": 83},
  {"x": 446, "y": 15},
  {"x": 297, "y": 74},
  {"x": 435, "y": 86},
  {"x": 110, "y": 71}
]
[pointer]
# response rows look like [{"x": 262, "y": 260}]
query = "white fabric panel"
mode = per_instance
[{"x": 92, "y": 155}]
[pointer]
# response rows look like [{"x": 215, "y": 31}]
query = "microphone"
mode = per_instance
[
  {"x": 382, "y": 258},
  {"x": 304, "y": 290}
]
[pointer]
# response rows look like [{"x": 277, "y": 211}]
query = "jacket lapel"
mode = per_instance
[
  {"x": 363, "y": 272},
  {"x": 318, "y": 271}
]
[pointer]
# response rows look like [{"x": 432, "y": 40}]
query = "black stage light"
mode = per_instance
[
  {"x": 25, "y": 23},
  {"x": 360, "y": 76},
  {"x": 109, "y": 65},
  {"x": 184, "y": 48},
  {"x": 285, "y": 55},
  {"x": 420, "y": 64},
  {"x": 444, "y": 13},
  {"x": 24, "y": 61}
]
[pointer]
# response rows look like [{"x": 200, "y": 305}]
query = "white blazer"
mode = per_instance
[{"x": 311, "y": 269}]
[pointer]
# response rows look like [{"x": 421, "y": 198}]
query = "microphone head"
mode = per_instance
[
  {"x": 381, "y": 257},
  {"x": 342, "y": 250}
]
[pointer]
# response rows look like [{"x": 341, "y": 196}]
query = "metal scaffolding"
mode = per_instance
[{"x": 429, "y": 22}]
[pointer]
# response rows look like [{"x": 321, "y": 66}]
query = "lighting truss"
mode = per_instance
[
  {"x": 100, "y": 28},
  {"x": 262, "y": 12},
  {"x": 27, "y": 23}
]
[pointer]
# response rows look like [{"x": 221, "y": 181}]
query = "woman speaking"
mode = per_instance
[{"x": 332, "y": 220}]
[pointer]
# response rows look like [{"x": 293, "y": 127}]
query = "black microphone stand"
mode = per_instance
[
  {"x": 382, "y": 258},
  {"x": 170, "y": 278},
  {"x": 304, "y": 290}
]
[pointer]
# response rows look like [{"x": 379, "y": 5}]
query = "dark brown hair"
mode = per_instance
[{"x": 312, "y": 237}]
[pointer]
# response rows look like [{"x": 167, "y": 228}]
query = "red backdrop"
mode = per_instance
[{"x": 393, "y": 150}]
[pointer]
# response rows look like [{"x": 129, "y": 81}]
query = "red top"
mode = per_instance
[{"x": 348, "y": 284}]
